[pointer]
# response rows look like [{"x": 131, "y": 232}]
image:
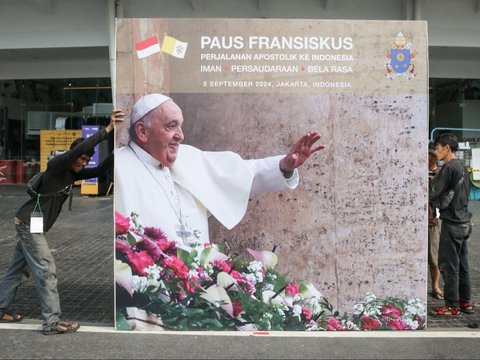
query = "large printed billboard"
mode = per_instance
[{"x": 197, "y": 248}]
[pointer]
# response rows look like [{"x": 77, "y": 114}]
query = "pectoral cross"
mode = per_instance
[{"x": 184, "y": 234}]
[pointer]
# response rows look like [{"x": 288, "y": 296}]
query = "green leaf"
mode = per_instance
[
  {"x": 204, "y": 256},
  {"x": 121, "y": 322},
  {"x": 182, "y": 254},
  {"x": 131, "y": 238}
]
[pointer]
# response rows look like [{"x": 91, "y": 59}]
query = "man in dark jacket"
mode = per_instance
[
  {"x": 456, "y": 228},
  {"x": 36, "y": 216}
]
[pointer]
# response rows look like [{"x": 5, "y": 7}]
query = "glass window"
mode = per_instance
[
  {"x": 28, "y": 106},
  {"x": 455, "y": 107}
]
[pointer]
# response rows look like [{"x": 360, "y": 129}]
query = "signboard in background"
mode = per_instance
[
  {"x": 90, "y": 186},
  {"x": 55, "y": 142}
]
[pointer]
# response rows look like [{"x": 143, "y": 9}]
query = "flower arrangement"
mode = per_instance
[{"x": 205, "y": 288}]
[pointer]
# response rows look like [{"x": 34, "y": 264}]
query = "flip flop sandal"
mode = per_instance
[
  {"x": 467, "y": 307},
  {"x": 446, "y": 311},
  {"x": 62, "y": 327},
  {"x": 14, "y": 316}
]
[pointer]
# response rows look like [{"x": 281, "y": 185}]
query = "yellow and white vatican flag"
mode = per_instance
[{"x": 174, "y": 47}]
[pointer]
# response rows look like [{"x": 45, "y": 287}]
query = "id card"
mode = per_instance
[{"x": 36, "y": 223}]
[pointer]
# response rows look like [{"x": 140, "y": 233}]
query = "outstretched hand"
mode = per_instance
[
  {"x": 116, "y": 116},
  {"x": 301, "y": 151}
]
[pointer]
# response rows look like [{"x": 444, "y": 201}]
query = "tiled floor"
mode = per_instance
[{"x": 85, "y": 263}]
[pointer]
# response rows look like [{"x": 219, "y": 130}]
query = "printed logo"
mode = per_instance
[{"x": 399, "y": 59}]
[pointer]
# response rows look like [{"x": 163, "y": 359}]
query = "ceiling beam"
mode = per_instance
[
  {"x": 263, "y": 4},
  {"x": 198, "y": 5},
  {"x": 329, "y": 5},
  {"x": 45, "y": 7}
]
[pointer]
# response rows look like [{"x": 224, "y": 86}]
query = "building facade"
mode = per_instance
[{"x": 57, "y": 57}]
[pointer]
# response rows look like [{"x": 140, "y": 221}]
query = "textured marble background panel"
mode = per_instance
[{"x": 357, "y": 222}]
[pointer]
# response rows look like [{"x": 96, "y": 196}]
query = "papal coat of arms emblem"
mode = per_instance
[{"x": 399, "y": 59}]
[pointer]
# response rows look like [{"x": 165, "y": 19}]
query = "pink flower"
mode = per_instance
[
  {"x": 242, "y": 281},
  {"x": 123, "y": 246},
  {"x": 191, "y": 284},
  {"x": 222, "y": 265},
  {"x": 237, "y": 276},
  {"x": 139, "y": 261},
  {"x": 152, "y": 248},
  {"x": 180, "y": 296},
  {"x": 369, "y": 323},
  {"x": 122, "y": 224},
  {"x": 187, "y": 285},
  {"x": 306, "y": 313},
  {"x": 155, "y": 233},
  {"x": 392, "y": 311},
  {"x": 292, "y": 289},
  {"x": 334, "y": 324},
  {"x": 396, "y": 324}
]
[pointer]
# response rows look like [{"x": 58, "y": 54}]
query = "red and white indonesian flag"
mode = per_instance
[
  {"x": 147, "y": 47},
  {"x": 174, "y": 47}
]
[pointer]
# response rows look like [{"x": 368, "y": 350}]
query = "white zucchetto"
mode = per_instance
[{"x": 146, "y": 104}]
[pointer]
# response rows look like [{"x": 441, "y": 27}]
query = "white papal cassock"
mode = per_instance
[{"x": 198, "y": 184}]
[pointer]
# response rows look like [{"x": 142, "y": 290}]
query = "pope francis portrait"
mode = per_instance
[{"x": 176, "y": 187}]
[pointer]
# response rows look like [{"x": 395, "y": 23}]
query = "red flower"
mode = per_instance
[
  {"x": 392, "y": 311},
  {"x": 139, "y": 261},
  {"x": 369, "y": 323},
  {"x": 237, "y": 308},
  {"x": 122, "y": 224},
  {"x": 292, "y": 289},
  {"x": 178, "y": 266},
  {"x": 222, "y": 265},
  {"x": 166, "y": 246}
]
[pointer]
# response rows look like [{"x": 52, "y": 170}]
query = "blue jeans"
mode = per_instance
[
  {"x": 453, "y": 261},
  {"x": 32, "y": 250}
]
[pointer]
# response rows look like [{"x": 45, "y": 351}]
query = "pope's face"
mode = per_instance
[{"x": 164, "y": 134}]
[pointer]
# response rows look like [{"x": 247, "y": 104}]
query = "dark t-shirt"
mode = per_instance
[
  {"x": 446, "y": 179},
  {"x": 58, "y": 176}
]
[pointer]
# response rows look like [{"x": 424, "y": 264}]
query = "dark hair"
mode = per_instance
[
  {"x": 447, "y": 139},
  {"x": 89, "y": 152}
]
